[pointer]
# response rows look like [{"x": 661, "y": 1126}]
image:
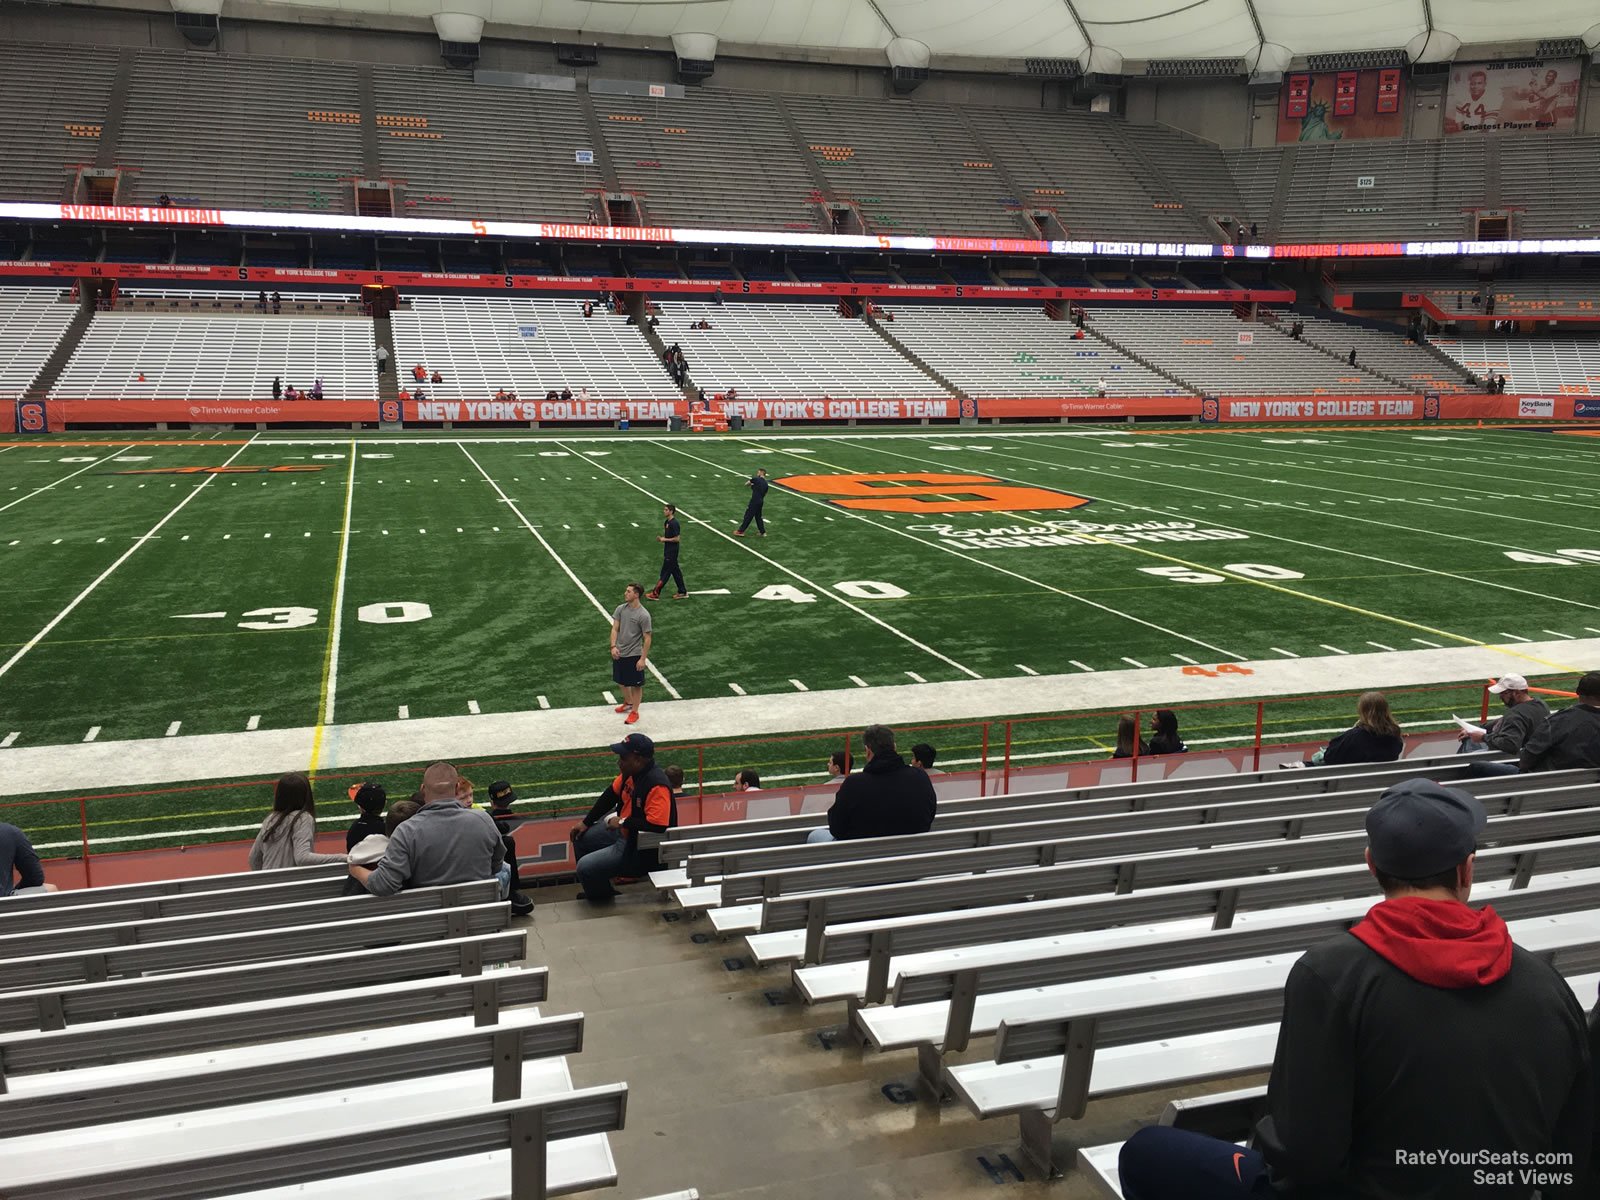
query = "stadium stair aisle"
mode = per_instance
[{"x": 730, "y": 1088}]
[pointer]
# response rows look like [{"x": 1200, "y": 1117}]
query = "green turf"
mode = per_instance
[{"x": 1395, "y": 538}]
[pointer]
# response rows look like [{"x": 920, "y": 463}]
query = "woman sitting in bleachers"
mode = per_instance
[{"x": 289, "y": 833}]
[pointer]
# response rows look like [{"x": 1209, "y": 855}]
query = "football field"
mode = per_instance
[{"x": 201, "y": 589}]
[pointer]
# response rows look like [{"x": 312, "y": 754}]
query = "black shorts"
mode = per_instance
[{"x": 626, "y": 671}]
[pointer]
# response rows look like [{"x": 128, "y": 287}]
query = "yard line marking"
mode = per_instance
[
  {"x": 711, "y": 592},
  {"x": 915, "y": 678},
  {"x": 94, "y": 732},
  {"x": 1559, "y": 634},
  {"x": 736, "y": 689},
  {"x": 1285, "y": 653},
  {"x": 1514, "y": 637},
  {"x": 1381, "y": 646},
  {"x": 610, "y": 699},
  {"x": 405, "y": 712},
  {"x": 1030, "y": 670},
  {"x": 253, "y": 723},
  {"x": 1335, "y": 649},
  {"x": 1587, "y": 629},
  {"x": 749, "y": 549},
  {"x": 858, "y": 681},
  {"x": 20, "y": 499},
  {"x": 6, "y": 741},
  {"x": 1079, "y": 665},
  {"x": 561, "y": 562},
  {"x": 1132, "y": 662},
  {"x": 330, "y": 651},
  {"x": 1426, "y": 642},
  {"x": 172, "y": 730},
  {"x": 980, "y": 562},
  {"x": 472, "y": 707},
  {"x": 106, "y": 574},
  {"x": 543, "y": 701}
]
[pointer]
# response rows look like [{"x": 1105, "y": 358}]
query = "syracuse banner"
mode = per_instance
[
  {"x": 1530, "y": 96},
  {"x": 1336, "y": 106}
]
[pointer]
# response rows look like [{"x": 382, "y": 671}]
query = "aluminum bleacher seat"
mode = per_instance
[
  {"x": 1550, "y": 180},
  {"x": 482, "y": 345},
  {"x": 53, "y": 102},
  {"x": 32, "y": 323},
  {"x": 442, "y": 137},
  {"x": 1564, "y": 365},
  {"x": 780, "y": 351},
  {"x": 1393, "y": 354},
  {"x": 712, "y": 158},
  {"x": 1018, "y": 351},
  {"x": 249, "y": 137},
  {"x": 1255, "y": 176},
  {"x": 1201, "y": 346},
  {"x": 1382, "y": 189},
  {"x": 185, "y": 357},
  {"x": 909, "y": 167},
  {"x": 1198, "y": 170}
]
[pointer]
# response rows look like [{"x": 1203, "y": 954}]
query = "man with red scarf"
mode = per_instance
[{"x": 1423, "y": 1030}]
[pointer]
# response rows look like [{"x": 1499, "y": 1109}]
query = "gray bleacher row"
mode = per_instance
[
  {"x": 273, "y": 1038},
  {"x": 1089, "y": 982}
]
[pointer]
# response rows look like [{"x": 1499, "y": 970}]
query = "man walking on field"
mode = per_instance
[
  {"x": 671, "y": 535},
  {"x": 630, "y": 649},
  {"x": 758, "y": 485}
]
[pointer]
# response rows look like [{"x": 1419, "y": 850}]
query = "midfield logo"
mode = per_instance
[{"x": 217, "y": 470}]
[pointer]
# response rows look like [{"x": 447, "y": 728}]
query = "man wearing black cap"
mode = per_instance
[
  {"x": 501, "y": 798},
  {"x": 371, "y": 799},
  {"x": 1423, "y": 1030},
  {"x": 645, "y": 806}
]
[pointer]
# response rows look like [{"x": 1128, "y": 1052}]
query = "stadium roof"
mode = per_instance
[{"x": 953, "y": 30}]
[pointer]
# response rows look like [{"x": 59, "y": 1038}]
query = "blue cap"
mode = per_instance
[
  {"x": 1420, "y": 828},
  {"x": 635, "y": 743}
]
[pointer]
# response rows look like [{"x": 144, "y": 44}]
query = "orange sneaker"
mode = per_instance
[
  {"x": 622, "y": 708},
  {"x": 631, "y": 718}
]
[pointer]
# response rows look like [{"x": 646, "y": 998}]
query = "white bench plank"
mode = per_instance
[
  {"x": 669, "y": 879},
  {"x": 695, "y": 899},
  {"x": 1099, "y": 1165},
  {"x": 739, "y": 918}
]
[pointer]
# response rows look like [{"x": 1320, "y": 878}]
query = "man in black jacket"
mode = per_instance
[
  {"x": 1571, "y": 738},
  {"x": 885, "y": 798},
  {"x": 645, "y": 806},
  {"x": 1397, "y": 1074}
]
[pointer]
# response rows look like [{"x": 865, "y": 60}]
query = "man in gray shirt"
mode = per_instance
[
  {"x": 444, "y": 843},
  {"x": 1525, "y": 724},
  {"x": 630, "y": 649}
]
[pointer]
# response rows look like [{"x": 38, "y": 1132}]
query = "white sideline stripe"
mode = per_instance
[
  {"x": 106, "y": 574},
  {"x": 1105, "y": 608},
  {"x": 94, "y": 732},
  {"x": 172, "y": 730},
  {"x": 834, "y": 596},
  {"x": 96, "y": 463},
  {"x": 858, "y": 681},
  {"x": 736, "y": 689},
  {"x": 338, "y": 595},
  {"x": 560, "y": 562},
  {"x": 253, "y": 723},
  {"x": 11, "y": 737}
]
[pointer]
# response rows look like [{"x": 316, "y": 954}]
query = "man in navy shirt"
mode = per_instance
[
  {"x": 758, "y": 486},
  {"x": 669, "y": 539},
  {"x": 19, "y": 865}
]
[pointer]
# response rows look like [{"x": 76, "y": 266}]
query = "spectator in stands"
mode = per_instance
[
  {"x": 1252, "y": 231},
  {"x": 289, "y": 393},
  {"x": 654, "y": 320},
  {"x": 261, "y": 300},
  {"x": 371, "y": 800},
  {"x": 277, "y": 303},
  {"x": 20, "y": 870},
  {"x": 290, "y": 830},
  {"x": 1164, "y": 737},
  {"x": 747, "y": 780},
  {"x": 383, "y": 359},
  {"x": 566, "y": 394},
  {"x": 1394, "y": 1040},
  {"x": 500, "y": 394},
  {"x": 277, "y": 387},
  {"x": 838, "y": 765},
  {"x": 316, "y": 389},
  {"x": 1352, "y": 359},
  {"x": 369, "y": 851},
  {"x": 552, "y": 394},
  {"x": 588, "y": 308},
  {"x": 436, "y": 378},
  {"x": 1526, "y": 721},
  {"x": 419, "y": 373},
  {"x": 404, "y": 394},
  {"x": 164, "y": 201},
  {"x": 923, "y": 756},
  {"x": 644, "y": 806},
  {"x": 1374, "y": 738},
  {"x": 419, "y": 395},
  {"x": 501, "y": 798},
  {"x": 1100, "y": 388},
  {"x": 1127, "y": 737},
  {"x": 885, "y": 798},
  {"x": 1572, "y": 736},
  {"x": 444, "y": 843}
]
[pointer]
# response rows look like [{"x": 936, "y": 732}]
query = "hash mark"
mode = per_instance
[
  {"x": 1426, "y": 642},
  {"x": 736, "y": 689},
  {"x": 472, "y": 707},
  {"x": 543, "y": 703},
  {"x": 1381, "y": 646},
  {"x": 405, "y": 712},
  {"x": 858, "y": 681},
  {"x": 610, "y": 699},
  {"x": 6, "y": 741},
  {"x": 1132, "y": 662},
  {"x": 172, "y": 730},
  {"x": 1335, "y": 649},
  {"x": 1186, "y": 658},
  {"x": 1514, "y": 637},
  {"x": 253, "y": 723},
  {"x": 915, "y": 678},
  {"x": 1026, "y": 670},
  {"x": 1559, "y": 634},
  {"x": 94, "y": 732},
  {"x": 1285, "y": 653},
  {"x": 800, "y": 687},
  {"x": 1079, "y": 665}
]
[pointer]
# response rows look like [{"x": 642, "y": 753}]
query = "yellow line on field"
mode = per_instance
[{"x": 330, "y": 655}]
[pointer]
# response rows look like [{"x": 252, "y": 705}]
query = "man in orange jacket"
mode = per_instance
[{"x": 645, "y": 808}]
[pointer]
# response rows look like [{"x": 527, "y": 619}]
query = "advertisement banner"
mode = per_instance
[
  {"x": 31, "y": 416},
  {"x": 1529, "y": 96},
  {"x": 1318, "y": 408},
  {"x": 1535, "y": 406},
  {"x": 1338, "y": 106},
  {"x": 1586, "y": 408}
]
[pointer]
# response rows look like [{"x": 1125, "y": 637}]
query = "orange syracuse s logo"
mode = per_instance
[{"x": 930, "y": 492}]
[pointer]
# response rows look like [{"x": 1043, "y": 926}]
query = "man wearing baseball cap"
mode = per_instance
[
  {"x": 501, "y": 797},
  {"x": 1526, "y": 719},
  {"x": 1424, "y": 1029},
  {"x": 644, "y": 805}
]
